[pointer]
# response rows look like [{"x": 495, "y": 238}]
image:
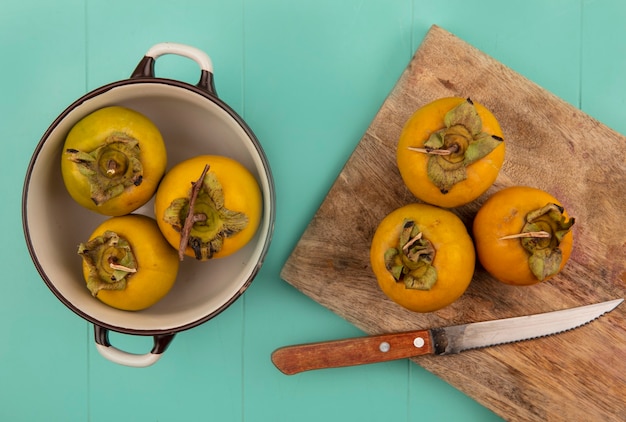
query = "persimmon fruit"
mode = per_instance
[
  {"x": 422, "y": 256},
  {"x": 127, "y": 264},
  {"x": 219, "y": 218},
  {"x": 450, "y": 151},
  {"x": 523, "y": 235},
  {"x": 113, "y": 160}
]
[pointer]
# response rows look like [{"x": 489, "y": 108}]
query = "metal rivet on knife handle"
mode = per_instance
[{"x": 419, "y": 342}]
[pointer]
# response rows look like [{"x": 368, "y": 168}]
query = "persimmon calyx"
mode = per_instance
[
  {"x": 460, "y": 143},
  {"x": 110, "y": 260},
  {"x": 411, "y": 262},
  {"x": 541, "y": 236},
  {"x": 111, "y": 168},
  {"x": 202, "y": 219}
]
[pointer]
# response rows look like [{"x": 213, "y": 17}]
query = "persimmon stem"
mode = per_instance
[
  {"x": 199, "y": 217},
  {"x": 410, "y": 242},
  {"x": 111, "y": 167},
  {"x": 430, "y": 151},
  {"x": 191, "y": 217},
  {"x": 539, "y": 234},
  {"x": 452, "y": 149},
  {"x": 122, "y": 268}
]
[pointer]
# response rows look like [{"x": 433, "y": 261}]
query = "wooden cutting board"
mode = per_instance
[{"x": 577, "y": 375}]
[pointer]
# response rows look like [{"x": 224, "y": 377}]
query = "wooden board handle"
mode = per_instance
[{"x": 354, "y": 351}]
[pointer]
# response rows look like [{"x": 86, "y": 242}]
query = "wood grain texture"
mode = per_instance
[{"x": 578, "y": 375}]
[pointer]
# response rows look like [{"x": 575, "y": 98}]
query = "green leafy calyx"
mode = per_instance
[
  {"x": 459, "y": 144},
  {"x": 111, "y": 168},
  {"x": 110, "y": 260},
  {"x": 547, "y": 226},
  {"x": 411, "y": 261},
  {"x": 202, "y": 218}
]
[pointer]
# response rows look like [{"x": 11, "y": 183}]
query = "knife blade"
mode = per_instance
[{"x": 439, "y": 341}]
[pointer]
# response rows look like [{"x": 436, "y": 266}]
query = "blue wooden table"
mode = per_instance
[{"x": 307, "y": 77}]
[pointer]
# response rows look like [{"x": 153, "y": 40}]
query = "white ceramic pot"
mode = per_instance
[{"x": 193, "y": 121}]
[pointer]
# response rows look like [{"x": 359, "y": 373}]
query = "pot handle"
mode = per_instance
[
  {"x": 120, "y": 357},
  {"x": 145, "y": 68}
]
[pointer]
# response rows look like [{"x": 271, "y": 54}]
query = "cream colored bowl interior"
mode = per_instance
[{"x": 191, "y": 125}]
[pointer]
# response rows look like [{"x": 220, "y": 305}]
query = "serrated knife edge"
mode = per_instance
[{"x": 476, "y": 335}]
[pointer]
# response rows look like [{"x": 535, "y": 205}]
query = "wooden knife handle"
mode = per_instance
[{"x": 354, "y": 351}]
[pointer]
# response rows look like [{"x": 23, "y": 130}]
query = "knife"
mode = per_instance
[{"x": 439, "y": 341}]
